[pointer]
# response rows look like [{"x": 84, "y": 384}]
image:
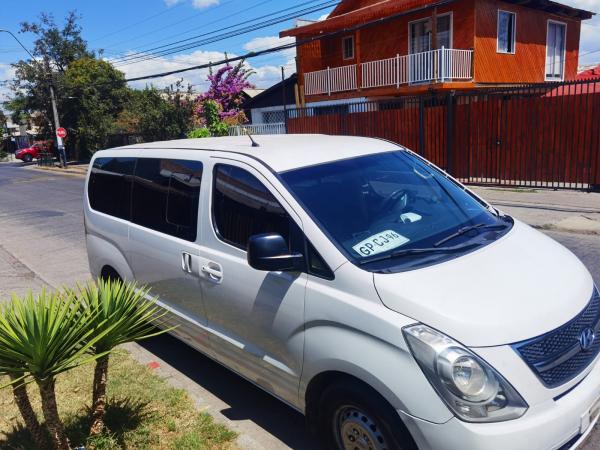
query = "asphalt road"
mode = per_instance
[{"x": 42, "y": 243}]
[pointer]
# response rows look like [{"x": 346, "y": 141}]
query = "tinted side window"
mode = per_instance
[
  {"x": 166, "y": 194},
  {"x": 109, "y": 188},
  {"x": 243, "y": 206}
]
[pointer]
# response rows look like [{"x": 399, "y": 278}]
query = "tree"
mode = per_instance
[
  {"x": 157, "y": 115},
  {"x": 120, "y": 314},
  {"x": 41, "y": 337},
  {"x": 226, "y": 89},
  {"x": 97, "y": 93},
  {"x": 55, "y": 48}
]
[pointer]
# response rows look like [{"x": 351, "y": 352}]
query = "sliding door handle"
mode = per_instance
[{"x": 214, "y": 271}]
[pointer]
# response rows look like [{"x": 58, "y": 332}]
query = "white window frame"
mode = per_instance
[
  {"x": 514, "y": 32},
  {"x": 564, "y": 55},
  {"x": 344, "y": 40},
  {"x": 449, "y": 13}
]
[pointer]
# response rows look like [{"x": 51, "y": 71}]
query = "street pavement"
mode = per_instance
[{"x": 42, "y": 244}]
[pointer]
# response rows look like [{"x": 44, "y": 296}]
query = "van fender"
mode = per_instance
[
  {"x": 102, "y": 253},
  {"x": 388, "y": 367}
]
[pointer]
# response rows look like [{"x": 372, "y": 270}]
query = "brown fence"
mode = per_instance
[{"x": 539, "y": 136}]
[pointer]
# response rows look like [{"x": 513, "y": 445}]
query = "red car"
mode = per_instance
[{"x": 30, "y": 153}]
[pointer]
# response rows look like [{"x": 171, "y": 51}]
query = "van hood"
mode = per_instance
[{"x": 521, "y": 286}]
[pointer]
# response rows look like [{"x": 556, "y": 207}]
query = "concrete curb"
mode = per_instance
[{"x": 59, "y": 171}]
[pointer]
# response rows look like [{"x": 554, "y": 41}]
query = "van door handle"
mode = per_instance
[
  {"x": 186, "y": 262},
  {"x": 214, "y": 271}
]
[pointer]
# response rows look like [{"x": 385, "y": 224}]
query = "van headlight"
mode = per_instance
[{"x": 470, "y": 387}]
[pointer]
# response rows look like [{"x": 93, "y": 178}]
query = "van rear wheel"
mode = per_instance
[{"x": 353, "y": 416}]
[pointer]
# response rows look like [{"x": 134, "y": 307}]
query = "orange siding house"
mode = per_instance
[{"x": 382, "y": 48}]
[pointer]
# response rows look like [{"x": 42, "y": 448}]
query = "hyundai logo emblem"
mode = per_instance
[{"x": 587, "y": 338}]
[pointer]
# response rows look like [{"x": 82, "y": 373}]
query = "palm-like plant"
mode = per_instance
[
  {"x": 121, "y": 313},
  {"x": 8, "y": 368},
  {"x": 41, "y": 337}
]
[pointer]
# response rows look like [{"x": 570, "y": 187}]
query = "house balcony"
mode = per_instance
[{"x": 434, "y": 66}]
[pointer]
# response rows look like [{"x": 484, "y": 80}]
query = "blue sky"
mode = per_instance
[{"x": 123, "y": 26}]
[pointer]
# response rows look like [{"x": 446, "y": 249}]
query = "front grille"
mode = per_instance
[{"x": 559, "y": 356}]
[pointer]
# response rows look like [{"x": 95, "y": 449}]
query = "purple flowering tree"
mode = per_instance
[{"x": 226, "y": 86}]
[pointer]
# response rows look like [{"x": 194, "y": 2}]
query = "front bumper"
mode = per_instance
[{"x": 551, "y": 425}]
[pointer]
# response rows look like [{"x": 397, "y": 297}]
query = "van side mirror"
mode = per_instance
[{"x": 270, "y": 252}]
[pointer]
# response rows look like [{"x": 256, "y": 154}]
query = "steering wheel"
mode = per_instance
[{"x": 397, "y": 196}]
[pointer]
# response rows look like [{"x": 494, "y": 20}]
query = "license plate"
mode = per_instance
[{"x": 380, "y": 242}]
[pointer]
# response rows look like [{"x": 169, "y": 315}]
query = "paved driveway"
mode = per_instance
[{"x": 42, "y": 242}]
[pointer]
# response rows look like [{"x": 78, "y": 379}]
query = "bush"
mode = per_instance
[{"x": 199, "y": 133}]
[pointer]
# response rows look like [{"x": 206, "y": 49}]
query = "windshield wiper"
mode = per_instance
[
  {"x": 417, "y": 251},
  {"x": 464, "y": 230}
]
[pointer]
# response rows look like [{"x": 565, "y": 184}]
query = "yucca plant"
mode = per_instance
[
  {"x": 120, "y": 313},
  {"x": 42, "y": 336},
  {"x": 10, "y": 369}
]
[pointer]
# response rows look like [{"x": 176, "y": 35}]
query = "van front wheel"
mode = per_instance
[{"x": 354, "y": 416}]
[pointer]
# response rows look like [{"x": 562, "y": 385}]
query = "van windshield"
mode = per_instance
[{"x": 392, "y": 211}]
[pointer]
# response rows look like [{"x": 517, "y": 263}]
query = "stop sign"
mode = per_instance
[{"x": 61, "y": 132}]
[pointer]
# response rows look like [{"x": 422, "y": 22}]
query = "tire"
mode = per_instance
[
  {"x": 27, "y": 158},
  {"x": 353, "y": 416},
  {"x": 110, "y": 274}
]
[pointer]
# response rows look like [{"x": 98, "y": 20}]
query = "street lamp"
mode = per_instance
[{"x": 59, "y": 141}]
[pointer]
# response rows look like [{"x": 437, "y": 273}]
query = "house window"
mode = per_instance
[
  {"x": 348, "y": 47},
  {"x": 506, "y": 31},
  {"x": 555, "y": 50}
]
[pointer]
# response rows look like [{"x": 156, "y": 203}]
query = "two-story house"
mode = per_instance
[{"x": 382, "y": 48}]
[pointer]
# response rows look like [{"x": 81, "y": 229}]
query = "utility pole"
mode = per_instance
[
  {"x": 59, "y": 141},
  {"x": 62, "y": 156},
  {"x": 283, "y": 96}
]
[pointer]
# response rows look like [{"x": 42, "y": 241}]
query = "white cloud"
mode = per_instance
[
  {"x": 265, "y": 74},
  {"x": 200, "y": 4},
  {"x": 323, "y": 17},
  {"x": 265, "y": 42},
  {"x": 7, "y": 73}
]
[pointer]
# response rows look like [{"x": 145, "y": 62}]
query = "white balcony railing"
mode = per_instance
[
  {"x": 439, "y": 65},
  {"x": 330, "y": 80},
  {"x": 259, "y": 128}
]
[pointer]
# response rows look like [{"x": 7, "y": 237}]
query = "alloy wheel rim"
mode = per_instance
[{"x": 356, "y": 430}]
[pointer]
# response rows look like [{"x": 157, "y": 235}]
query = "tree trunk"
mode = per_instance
[
  {"x": 50, "y": 409},
  {"x": 99, "y": 395},
  {"x": 31, "y": 421}
]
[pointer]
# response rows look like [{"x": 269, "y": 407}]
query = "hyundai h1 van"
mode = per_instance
[{"x": 359, "y": 284}]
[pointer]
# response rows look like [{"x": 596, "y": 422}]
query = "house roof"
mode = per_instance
[
  {"x": 276, "y": 88},
  {"x": 589, "y": 74},
  {"x": 358, "y": 12}
]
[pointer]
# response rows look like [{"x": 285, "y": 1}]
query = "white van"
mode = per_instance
[{"x": 359, "y": 284}]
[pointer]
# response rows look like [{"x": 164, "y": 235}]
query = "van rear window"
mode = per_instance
[
  {"x": 109, "y": 189},
  {"x": 160, "y": 194}
]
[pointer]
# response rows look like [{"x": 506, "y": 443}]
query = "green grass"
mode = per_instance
[{"x": 144, "y": 412}]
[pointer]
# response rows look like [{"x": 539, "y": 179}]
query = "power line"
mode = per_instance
[
  {"x": 238, "y": 12},
  {"x": 174, "y": 23},
  {"x": 112, "y": 33},
  {"x": 146, "y": 55}
]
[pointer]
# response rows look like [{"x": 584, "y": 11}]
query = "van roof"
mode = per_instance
[{"x": 282, "y": 152}]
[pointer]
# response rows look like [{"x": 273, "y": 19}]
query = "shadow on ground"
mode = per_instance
[
  {"x": 247, "y": 402},
  {"x": 122, "y": 415}
]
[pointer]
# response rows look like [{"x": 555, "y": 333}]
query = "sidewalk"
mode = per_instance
[
  {"x": 562, "y": 210},
  {"x": 71, "y": 169}
]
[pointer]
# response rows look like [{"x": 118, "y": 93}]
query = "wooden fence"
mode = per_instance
[{"x": 539, "y": 136}]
